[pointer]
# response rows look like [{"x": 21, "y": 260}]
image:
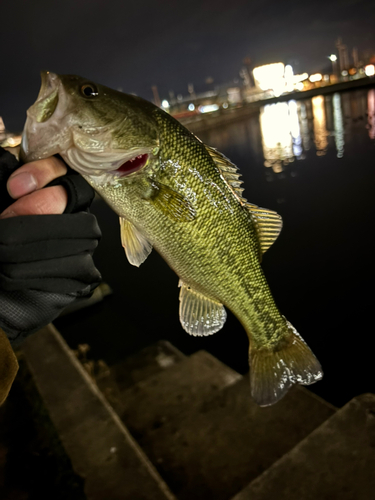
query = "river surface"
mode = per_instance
[{"x": 313, "y": 161}]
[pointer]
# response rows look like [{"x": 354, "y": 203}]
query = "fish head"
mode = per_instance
[{"x": 100, "y": 132}]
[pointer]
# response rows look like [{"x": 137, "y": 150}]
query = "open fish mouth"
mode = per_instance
[{"x": 133, "y": 165}]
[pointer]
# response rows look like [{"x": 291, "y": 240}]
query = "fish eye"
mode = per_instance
[{"x": 89, "y": 90}]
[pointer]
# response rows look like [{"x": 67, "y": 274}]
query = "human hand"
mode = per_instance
[
  {"x": 25, "y": 185},
  {"x": 41, "y": 187},
  {"x": 45, "y": 254}
]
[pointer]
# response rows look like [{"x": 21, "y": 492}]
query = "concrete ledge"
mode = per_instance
[
  {"x": 215, "y": 448},
  {"x": 100, "y": 447},
  {"x": 336, "y": 461},
  {"x": 168, "y": 395}
]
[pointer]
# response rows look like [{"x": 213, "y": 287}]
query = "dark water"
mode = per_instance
[{"x": 313, "y": 162}]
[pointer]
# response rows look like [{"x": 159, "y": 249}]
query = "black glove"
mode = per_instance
[{"x": 45, "y": 260}]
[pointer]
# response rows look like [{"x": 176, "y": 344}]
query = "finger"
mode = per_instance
[
  {"x": 51, "y": 200},
  {"x": 35, "y": 175}
]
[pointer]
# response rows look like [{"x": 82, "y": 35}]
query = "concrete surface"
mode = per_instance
[
  {"x": 138, "y": 367},
  {"x": 335, "y": 462},
  {"x": 101, "y": 449},
  {"x": 216, "y": 448},
  {"x": 168, "y": 395}
]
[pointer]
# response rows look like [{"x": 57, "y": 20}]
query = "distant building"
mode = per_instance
[{"x": 343, "y": 55}]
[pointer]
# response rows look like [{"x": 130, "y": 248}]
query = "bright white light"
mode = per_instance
[
  {"x": 269, "y": 76},
  {"x": 332, "y": 57},
  {"x": 208, "y": 108},
  {"x": 288, "y": 71},
  {"x": 191, "y": 107},
  {"x": 165, "y": 104},
  {"x": 277, "y": 140},
  {"x": 317, "y": 77},
  {"x": 14, "y": 141},
  {"x": 370, "y": 70},
  {"x": 300, "y": 78},
  {"x": 344, "y": 73},
  {"x": 289, "y": 78},
  {"x": 299, "y": 86}
]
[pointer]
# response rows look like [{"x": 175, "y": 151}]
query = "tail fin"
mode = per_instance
[{"x": 273, "y": 372}]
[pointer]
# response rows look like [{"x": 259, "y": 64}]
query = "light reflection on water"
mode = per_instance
[
  {"x": 287, "y": 129},
  {"x": 288, "y": 132},
  {"x": 312, "y": 161}
]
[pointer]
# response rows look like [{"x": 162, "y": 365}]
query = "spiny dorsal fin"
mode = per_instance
[
  {"x": 268, "y": 225},
  {"x": 228, "y": 170},
  {"x": 267, "y": 222}
]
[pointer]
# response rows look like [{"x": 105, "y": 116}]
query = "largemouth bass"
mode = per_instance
[{"x": 184, "y": 198}]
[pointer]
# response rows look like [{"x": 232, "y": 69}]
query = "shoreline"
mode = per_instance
[{"x": 198, "y": 123}]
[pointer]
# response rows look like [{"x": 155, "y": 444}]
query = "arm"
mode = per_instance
[{"x": 45, "y": 252}]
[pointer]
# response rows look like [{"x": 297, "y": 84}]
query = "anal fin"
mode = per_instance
[
  {"x": 199, "y": 315},
  {"x": 136, "y": 246}
]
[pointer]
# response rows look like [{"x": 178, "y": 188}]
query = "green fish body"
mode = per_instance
[{"x": 183, "y": 198}]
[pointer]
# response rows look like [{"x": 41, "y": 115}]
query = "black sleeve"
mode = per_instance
[{"x": 45, "y": 260}]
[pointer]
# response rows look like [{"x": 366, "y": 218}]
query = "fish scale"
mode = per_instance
[
  {"x": 184, "y": 199},
  {"x": 240, "y": 245}
]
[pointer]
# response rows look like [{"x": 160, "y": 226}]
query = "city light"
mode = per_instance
[
  {"x": 208, "y": 108},
  {"x": 191, "y": 107},
  {"x": 270, "y": 76},
  {"x": 165, "y": 104},
  {"x": 332, "y": 57},
  {"x": 370, "y": 70},
  {"x": 320, "y": 128},
  {"x": 317, "y": 77},
  {"x": 289, "y": 78}
]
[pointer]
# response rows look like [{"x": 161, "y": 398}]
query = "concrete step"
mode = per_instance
[
  {"x": 218, "y": 445},
  {"x": 336, "y": 461},
  {"x": 136, "y": 368},
  {"x": 100, "y": 447},
  {"x": 168, "y": 395}
]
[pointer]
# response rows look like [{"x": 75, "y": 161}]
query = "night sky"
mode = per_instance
[{"x": 134, "y": 45}]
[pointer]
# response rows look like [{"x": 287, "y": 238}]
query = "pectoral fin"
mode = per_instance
[
  {"x": 200, "y": 315},
  {"x": 136, "y": 246},
  {"x": 171, "y": 203}
]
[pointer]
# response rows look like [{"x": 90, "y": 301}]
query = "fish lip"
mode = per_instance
[
  {"x": 50, "y": 85},
  {"x": 37, "y": 138}
]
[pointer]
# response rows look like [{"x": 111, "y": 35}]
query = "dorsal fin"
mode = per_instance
[
  {"x": 267, "y": 222},
  {"x": 228, "y": 170},
  {"x": 268, "y": 225}
]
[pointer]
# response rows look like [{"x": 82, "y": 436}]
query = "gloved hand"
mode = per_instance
[{"x": 45, "y": 260}]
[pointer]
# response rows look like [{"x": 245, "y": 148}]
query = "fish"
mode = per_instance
[{"x": 184, "y": 198}]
